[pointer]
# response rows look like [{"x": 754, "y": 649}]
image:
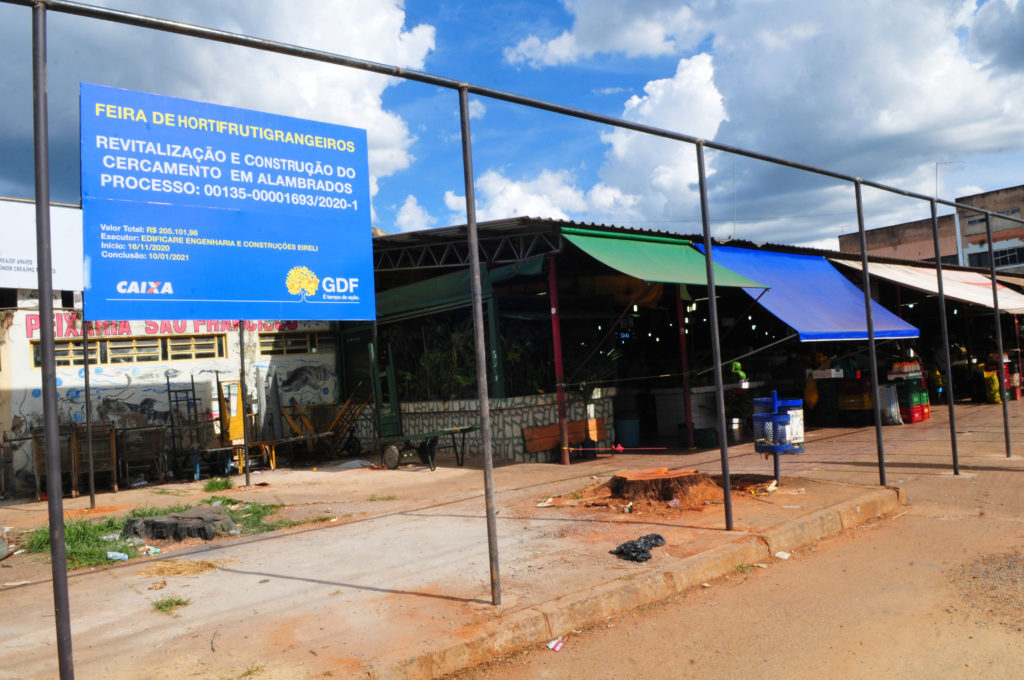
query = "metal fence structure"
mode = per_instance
[{"x": 463, "y": 89}]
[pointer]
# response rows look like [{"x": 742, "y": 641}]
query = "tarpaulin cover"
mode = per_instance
[
  {"x": 653, "y": 258},
  {"x": 811, "y": 296},
  {"x": 956, "y": 285}
]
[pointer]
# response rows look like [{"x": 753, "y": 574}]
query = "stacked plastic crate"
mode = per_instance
[{"x": 912, "y": 392}]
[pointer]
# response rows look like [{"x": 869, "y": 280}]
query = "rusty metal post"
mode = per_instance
[
  {"x": 716, "y": 349},
  {"x": 44, "y": 261},
  {"x": 556, "y": 341},
  {"x": 945, "y": 338},
  {"x": 241, "y": 396},
  {"x": 481, "y": 350},
  {"x": 88, "y": 415},
  {"x": 1001, "y": 371},
  {"x": 872, "y": 357}
]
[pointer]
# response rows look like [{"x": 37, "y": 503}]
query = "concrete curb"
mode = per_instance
[{"x": 548, "y": 620}]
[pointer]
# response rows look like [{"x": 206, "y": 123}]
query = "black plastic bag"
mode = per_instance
[{"x": 640, "y": 549}]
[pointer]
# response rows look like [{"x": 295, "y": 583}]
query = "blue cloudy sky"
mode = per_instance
[{"x": 872, "y": 88}]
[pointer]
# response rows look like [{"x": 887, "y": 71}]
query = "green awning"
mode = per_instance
[{"x": 653, "y": 258}]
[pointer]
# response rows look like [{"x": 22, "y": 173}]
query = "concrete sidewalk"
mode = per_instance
[{"x": 398, "y": 586}]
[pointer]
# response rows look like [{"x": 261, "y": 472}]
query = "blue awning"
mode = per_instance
[{"x": 810, "y": 296}]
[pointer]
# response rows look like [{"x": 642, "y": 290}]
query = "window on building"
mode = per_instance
[
  {"x": 134, "y": 350},
  {"x": 194, "y": 347},
  {"x": 296, "y": 343}
]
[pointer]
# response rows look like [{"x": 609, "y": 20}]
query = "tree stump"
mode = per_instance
[
  {"x": 659, "y": 484},
  {"x": 202, "y": 521}
]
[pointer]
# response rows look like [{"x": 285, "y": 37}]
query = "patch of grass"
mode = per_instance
[
  {"x": 83, "y": 543},
  {"x": 151, "y": 511},
  {"x": 389, "y": 497},
  {"x": 744, "y": 568},
  {"x": 218, "y": 484},
  {"x": 83, "y": 539},
  {"x": 251, "y": 517},
  {"x": 167, "y": 605}
]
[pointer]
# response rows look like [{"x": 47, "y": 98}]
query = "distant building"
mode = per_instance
[
  {"x": 907, "y": 241},
  {"x": 914, "y": 240}
]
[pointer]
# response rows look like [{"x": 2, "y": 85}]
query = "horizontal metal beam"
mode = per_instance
[
  {"x": 180, "y": 28},
  {"x": 505, "y": 249}
]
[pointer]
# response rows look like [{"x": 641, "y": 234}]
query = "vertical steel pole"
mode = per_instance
[
  {"x": 1001, "y": 371},
  {"x": 556, "y": 341},
  {"x": 241, "y": 396},
  {"x": 879, "y": 443},
  {"x": 716, "y": 349},
  {"x": 683, "y": 352},
  {"x": 481, "y": 353},
  {"x": 54, "y": 492},
  {"x": 945, "y": 338},
  {"x": 88, "y": 414}
]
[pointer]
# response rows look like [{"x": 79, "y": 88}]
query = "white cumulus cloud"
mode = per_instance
[{"x": 412, "y": 216}]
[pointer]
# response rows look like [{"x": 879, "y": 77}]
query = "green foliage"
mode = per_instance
[
  {"x": 218, "y": 484},
  {"x": 389, "y": 497},
  {"x": 167, "y": 605},
  {"x": 251, "y": 517},
  {"x": 83, "y": 542}
]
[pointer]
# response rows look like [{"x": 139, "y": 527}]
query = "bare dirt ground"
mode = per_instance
[
  {"x": 933, "y": 591},
  {"x": 936, "y": 591}
]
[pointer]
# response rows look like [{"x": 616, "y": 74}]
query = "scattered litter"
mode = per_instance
[
  {"x": 674, "y": 503},
  {"x": 18, "y": 552},
  {"x": 761, "y": 565},
  {"x": 771, "y": 487},
  {"x": 117, "y": 556},
  {"x": 264, "y": 580},
  {"x": 783, "y": 555},
  {"x": 546, "y": 504},
  {"x": 640, "y": 549},
  {"x": 235, "y": 532},
  {"x": 110, "y": 537},
  {"x": 705, "y": 585},
  {"x": 212, "y": 648},
  {"x": 159, "y": 585},
  {"x": 141, "y": 481},
  {"x": 628, "y": 507},
  {"x": 556, "y": 644},
  {"x": 334, "y": 519},
  {"x": 16, "y": 583},
  {"x": 217, "y": 503},
  {"x": 149, "y": 550},
  {"x": 136, "y": 542},
  {"x": 901, "y": 514}
]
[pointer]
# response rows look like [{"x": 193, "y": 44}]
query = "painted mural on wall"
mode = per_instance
[{"x": 135, "y": 363}]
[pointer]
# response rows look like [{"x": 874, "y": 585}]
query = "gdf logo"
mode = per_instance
[
  {"x": 340, "y": 285},
  {"x": 145, "y": 287}
]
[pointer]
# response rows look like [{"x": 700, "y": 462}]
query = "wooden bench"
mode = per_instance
[{"x": 548, "y": 438}]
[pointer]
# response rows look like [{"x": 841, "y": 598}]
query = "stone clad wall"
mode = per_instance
[{"x": 508, "y": 418}]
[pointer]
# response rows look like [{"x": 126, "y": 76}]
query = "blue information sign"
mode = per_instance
[{"x": 198, "y": 211}]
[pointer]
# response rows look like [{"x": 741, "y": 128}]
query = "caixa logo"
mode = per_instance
[{"x": 145, "y": 287}]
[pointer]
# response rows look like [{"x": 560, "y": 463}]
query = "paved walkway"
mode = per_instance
[{"x": 399, "y": 586}]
